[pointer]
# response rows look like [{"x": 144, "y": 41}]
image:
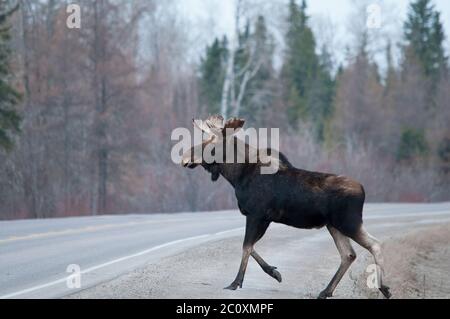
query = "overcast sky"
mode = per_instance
[{"x": 215, "y": 17}]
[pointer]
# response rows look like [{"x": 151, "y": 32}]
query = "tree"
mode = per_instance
[
  {"x": 322, "y": 94},
  {"x": 389, "y": 108},
  {"x": 243, "y": 63},
  {"x": 9, "y": 97},
  {"x": 212, "y": 75},
  {"x": 256, "y": 94},
  {"x": 243, "y": 89},
  {"x": 444, "y": 154},
  {"x": 300, "y": 63},
  {"x": 424, "y": 34},
  {"x": 112, "y": 33},
  {"x": 358, "y": 102},
  {"x": 306, "y": 76},
  {"x": 412, "y": 145},
  {"x": 423, "y": 76}
]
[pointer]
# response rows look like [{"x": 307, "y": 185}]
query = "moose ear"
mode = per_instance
[
  {"x": 216, "y": 121},
  {"x": 233, "y": 126}
]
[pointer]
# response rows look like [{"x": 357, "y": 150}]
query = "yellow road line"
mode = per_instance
[{"x": 71, "y": 231}]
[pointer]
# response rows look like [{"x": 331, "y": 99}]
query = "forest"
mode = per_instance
[{"x": 86, "y": 114}]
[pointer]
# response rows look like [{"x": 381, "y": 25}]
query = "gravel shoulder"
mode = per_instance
[{"x": 417, "y": 266}]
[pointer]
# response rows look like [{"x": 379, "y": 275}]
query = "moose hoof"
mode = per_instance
[
  {"x": 275, "y": 274},
  {"x": 385, "y": 291},
  {"x": 324, "y": 295},
  {"x": 233, "y": 286}
]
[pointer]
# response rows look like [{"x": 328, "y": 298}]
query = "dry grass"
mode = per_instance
[{"x": 417, "y": 265}]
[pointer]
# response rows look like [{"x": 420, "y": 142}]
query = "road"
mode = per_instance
[{"x": 35, "y": 254}]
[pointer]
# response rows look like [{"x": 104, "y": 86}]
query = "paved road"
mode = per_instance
[{"x": 35, "y": 254}]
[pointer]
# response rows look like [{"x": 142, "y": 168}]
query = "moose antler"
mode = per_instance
[
  {"x": 215, "y": 125},
  {"x": 202, "y": 126}
]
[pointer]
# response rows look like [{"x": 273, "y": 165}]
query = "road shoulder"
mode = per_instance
[{"x": 416, "y": 265}]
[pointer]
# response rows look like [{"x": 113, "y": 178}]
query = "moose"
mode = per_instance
[{"x": 291, "y": 196}]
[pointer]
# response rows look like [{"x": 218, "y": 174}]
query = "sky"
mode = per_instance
[{"x": 215, "y": 18}]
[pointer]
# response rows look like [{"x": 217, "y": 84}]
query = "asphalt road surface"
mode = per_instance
[{"x": 37, "y": 257}]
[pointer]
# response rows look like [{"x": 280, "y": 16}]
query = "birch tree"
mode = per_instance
[{"x": 237, "y": 79}]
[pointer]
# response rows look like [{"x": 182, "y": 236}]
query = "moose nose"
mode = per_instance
[{"x": 186, "y": 161}]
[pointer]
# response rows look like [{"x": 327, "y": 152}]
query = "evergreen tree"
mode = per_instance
[
  {"x": 413, "y": 144},
  {"x": 301, "y": 62},
  {"x": 423, "y": 31},
  {"x": 307, "y": 78},
  {"x": 212, "y": 75},
  {"x": 321, "y": 95},
  {"x": 425, "y": 36},
  {"x": 9, "y": 97},
  {"x": 444, "y": 154}
]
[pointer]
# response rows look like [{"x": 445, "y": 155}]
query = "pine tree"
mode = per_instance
[
  {"x": 307, "y": 78},
  {"x": 425, "y": 59},
  {"x": 322, "y": 93},
  {"x": 413, "y": 144},
  {"x": 425, "y": 35},
  {"x": 300, "y": 62},
  {"x": 438, "y": 51},
  {"x": 9, "y": 97},
  {"x": 212, "y": 75}
]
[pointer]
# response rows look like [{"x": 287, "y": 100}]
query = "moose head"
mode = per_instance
[{"x": 218, "y": 134}]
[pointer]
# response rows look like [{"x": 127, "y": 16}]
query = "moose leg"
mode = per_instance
[
  {"x": 270, "y": 270},
  {"x": 373, "y": 245},
  {"x": 254, "y": 230},
  {"x": 348, "y": 255}
]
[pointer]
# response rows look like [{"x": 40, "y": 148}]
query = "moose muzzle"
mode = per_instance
[{"x": 189, "y": 160}]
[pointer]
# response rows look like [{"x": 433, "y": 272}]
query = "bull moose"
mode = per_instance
[{"x": 291, "y": 196}]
